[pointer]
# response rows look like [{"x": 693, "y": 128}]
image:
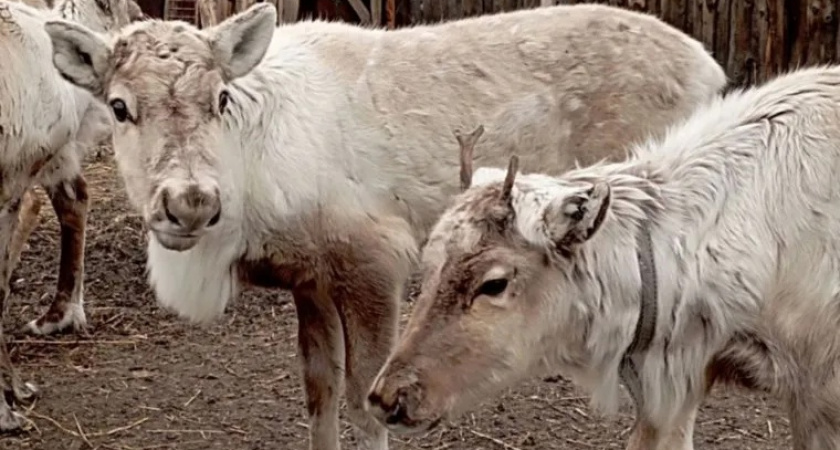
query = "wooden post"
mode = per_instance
[
  {"x": 376, "y": 12},
  {"x": 207, "y": 13},
  {"x": 391, "y": 13},
  {"x": 287, "y": 11}
]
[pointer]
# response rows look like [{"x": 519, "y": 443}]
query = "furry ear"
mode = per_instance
[
  {"x": 240, "y": 42},
  {"x": 467, "y": 144},
  {"x": 79, "y": 55},
  {"x": 571, "y": 220}
]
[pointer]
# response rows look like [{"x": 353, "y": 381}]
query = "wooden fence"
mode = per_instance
[{"x": 751, "y": 39}]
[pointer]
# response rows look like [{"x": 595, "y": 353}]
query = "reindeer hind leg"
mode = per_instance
[
  {"x": 10, "y": 382},
  {"x": 69, "y": 199}
]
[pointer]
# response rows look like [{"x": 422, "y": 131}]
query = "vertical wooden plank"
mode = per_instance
[
  {"x": 695, "y": 20},
  {"x": 834, "y": 14},
  {"x": 376, "y": 12},
  {"x": 761, "y": 28},
  {"x": 722, "y": 22},
  {"x": 796, "y": 31},
  {"x": 498, "y": 6},
  {"x": 291, "y": 10},
  {"x": 226, "y": 9},
  {"x": 776, "y": 55},
  {"x": 739, "y": 42},
  {"x": 676, "y": 12},
  {"x": 206, "y": 12},
  {"x": 708, "y": 12},
  {"x": 416, "y": 11},
  {"x": 433, "y": 10},
  {"x": 391, "y": 13},
  {"x": 822, "y": 27}
]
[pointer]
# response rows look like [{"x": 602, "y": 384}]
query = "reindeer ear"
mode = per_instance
[
  {"x": 572, "y": 219},
  {"x": 241, "y": 41},
  {"x": 81, "y": 56}
]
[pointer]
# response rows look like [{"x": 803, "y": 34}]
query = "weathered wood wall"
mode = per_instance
[{"x": 752, "y": 39}]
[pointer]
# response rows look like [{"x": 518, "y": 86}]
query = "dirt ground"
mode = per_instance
[{"x": 144, "y": 379}]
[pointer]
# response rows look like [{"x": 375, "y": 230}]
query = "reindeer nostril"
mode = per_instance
[
  {"x": 374, "y": 399},
  {"x": 215, "y": 219},
  {"x": 397, "y": 413},
  {"x": 169, "y": 216}
]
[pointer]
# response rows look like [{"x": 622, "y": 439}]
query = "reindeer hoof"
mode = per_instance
[
  {"x": 25, "y": 392},
  {"x": 21, "y": 393},
  {"x": 62, "y": 315},
  {"x": 9, "y": 420}
]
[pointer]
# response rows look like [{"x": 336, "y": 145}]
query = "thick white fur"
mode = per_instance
[
  {"x": 742, "y": 202},
  {"x": 340, "y": 126},
  {"x": 198, "y": 283},
  {"x": 350, "y": 118}
]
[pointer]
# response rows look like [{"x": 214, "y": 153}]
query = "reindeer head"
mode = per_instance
[
  {"x": 502, "y": 294},
  {"x": 167, "y": 85}
]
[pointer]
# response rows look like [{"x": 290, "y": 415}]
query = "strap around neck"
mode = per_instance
[{"x": 646, "y": 325}]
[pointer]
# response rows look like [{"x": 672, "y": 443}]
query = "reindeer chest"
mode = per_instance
[
  {"x": 16, "y": 178},
  {"x": 267, "y": 273}
]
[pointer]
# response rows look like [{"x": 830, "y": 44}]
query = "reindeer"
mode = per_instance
[
  {"x": 710, "y": 256},
  {"x": 46, "y": 124},
  {"x": 316, "y": 155}
]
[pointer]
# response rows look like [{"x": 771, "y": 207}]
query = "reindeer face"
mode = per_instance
[{"x": 502, "y": 298}]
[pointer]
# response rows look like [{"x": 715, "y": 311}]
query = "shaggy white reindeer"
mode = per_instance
[
  {"x": 316, "y": 156},
  {"x": 712, "y": 255},
  {"x": 45, "y": 125}
]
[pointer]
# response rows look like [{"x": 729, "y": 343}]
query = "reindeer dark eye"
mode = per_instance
[
  {"x": 493, "y": 288},
  {"x": 224, "y": 97},
  {"x": 120, "y": 110}
]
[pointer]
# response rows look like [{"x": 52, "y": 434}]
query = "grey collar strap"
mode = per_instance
[{"x": 646, "y": 325}]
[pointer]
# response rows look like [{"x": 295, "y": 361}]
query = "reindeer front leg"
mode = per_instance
[
  {"x": 678, "y": 435},
  {"x": 10, "y": 382},
  {"x": 322, "y": 355},
  {"x": 368, "y": 295},
  {"x": 370, "y": 318},
  {"x": 69, "y": 199}
]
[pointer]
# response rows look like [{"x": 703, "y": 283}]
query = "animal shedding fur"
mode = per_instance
[
  {"x": 335, "y": 154},
  {"x": 742, "y": 205},
  {"x": 356, "y": 121}
]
